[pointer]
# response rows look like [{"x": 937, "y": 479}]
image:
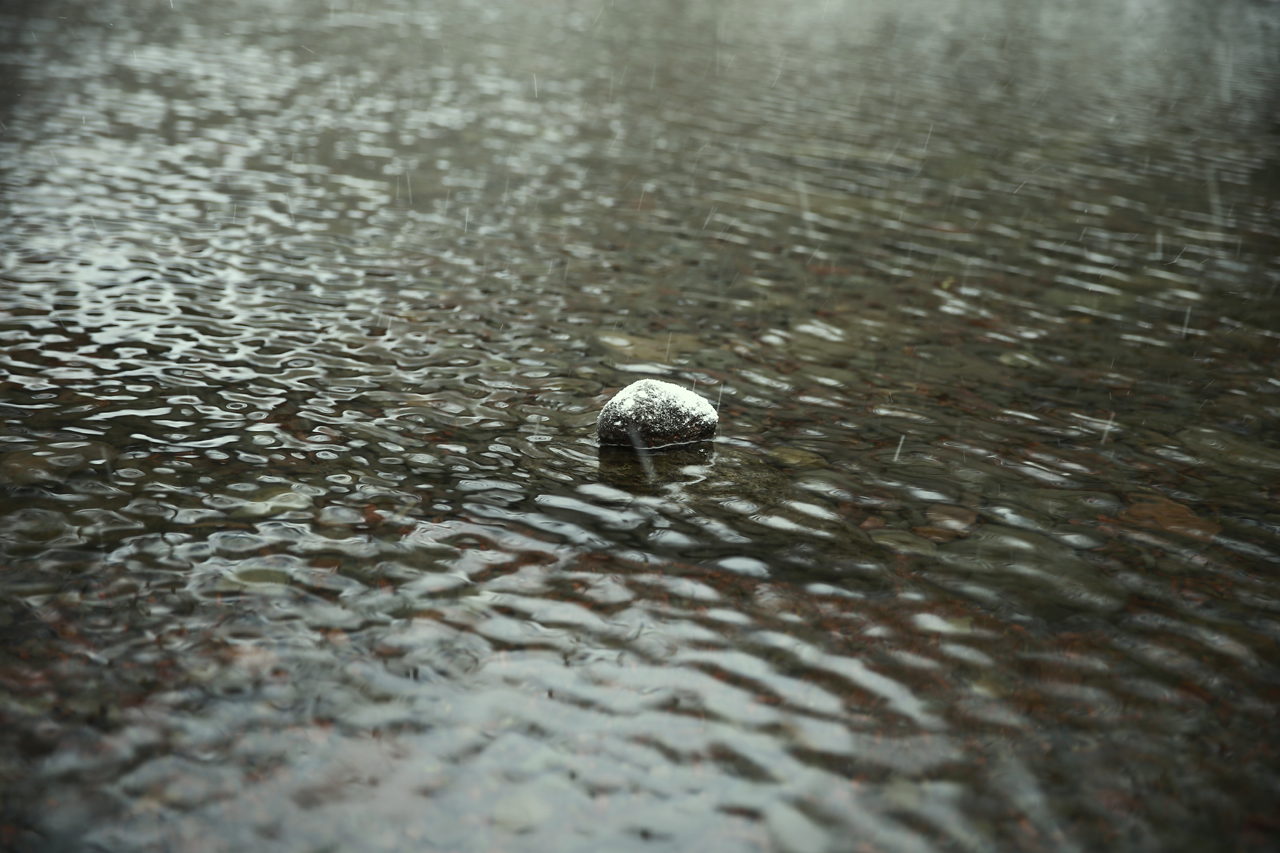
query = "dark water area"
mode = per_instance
[{"x": 307, "y": 310}]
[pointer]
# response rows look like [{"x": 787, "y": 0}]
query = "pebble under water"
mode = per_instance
[{"x": 308, "y": 309}]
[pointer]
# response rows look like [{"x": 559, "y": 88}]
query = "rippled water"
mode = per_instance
[{"x": 309, "y": 308}]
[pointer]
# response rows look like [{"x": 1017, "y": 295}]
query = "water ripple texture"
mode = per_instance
[{"x": 307, "y": 311}]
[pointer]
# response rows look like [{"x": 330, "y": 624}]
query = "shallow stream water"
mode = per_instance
[{"x": 307, "y": 309}]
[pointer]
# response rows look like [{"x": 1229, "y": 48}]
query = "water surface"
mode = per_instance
[{"x": 308, "y": 309}]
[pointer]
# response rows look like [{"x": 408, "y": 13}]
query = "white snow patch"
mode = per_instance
[{"x": 641, "y": 397}]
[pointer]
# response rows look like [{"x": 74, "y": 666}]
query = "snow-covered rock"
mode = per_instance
[{"x": 651, "y": 414}]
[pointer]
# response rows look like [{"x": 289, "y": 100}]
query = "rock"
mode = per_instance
[
  {"x": 653, "y": 414},
  {"x": 271, "y": 501},
  {"x": 794, "y": 457},
  {"x": 1159, "y": 513},
  {"x": 1226, "y": 447},
  {"x": 902, "y": 542},
  {"x": 947, "y": 517}
]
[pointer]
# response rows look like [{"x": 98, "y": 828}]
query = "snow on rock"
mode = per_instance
[{"x": 650, "y": 413}]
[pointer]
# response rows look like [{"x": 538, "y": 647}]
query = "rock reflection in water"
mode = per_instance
[
  {"x": 306, "y": 312},
  {"x": 633, "y": 469}
]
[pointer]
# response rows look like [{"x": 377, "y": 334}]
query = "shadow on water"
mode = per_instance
[{"x": 307, "y": 310}]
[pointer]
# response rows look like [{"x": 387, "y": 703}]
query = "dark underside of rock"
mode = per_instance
[
  {"x": 650, "y": 414},
  {"x": 624, "y": 434}
]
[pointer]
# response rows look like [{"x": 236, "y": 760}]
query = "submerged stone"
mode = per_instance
[{"x": 652, "y": 414}]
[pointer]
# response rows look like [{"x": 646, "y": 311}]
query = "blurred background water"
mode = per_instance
[{"x": 307, "y": 311}]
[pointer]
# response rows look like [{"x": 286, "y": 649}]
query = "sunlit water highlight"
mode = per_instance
[{"x": 308, "y": 311}]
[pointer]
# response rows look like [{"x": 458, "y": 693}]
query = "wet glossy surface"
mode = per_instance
[{"x": 308, "y": 312}]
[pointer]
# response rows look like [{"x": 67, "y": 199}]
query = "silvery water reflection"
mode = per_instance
[{"x": 309, "y": 308}]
